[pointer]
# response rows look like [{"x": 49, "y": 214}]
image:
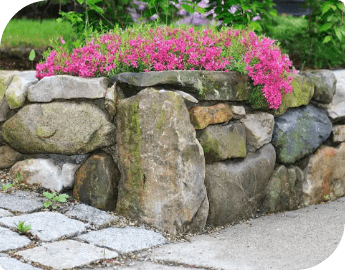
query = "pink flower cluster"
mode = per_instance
[
  {"x": 175, "y": 49},
  {"x": 267, "y": 66}
]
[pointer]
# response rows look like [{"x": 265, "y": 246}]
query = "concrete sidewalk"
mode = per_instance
[{"x": 84, "y": 235}]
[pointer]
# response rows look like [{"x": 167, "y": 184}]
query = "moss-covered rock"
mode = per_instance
[{"x": 161, "y": 162}]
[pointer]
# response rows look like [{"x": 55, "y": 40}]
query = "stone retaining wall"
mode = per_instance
[{"x": 176, "y": 149}]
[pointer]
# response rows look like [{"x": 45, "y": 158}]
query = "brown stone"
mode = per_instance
[
  {"x": 8, "y": 157},
  {"x": 325, "y": 175},
  {"x": 96, "y": 182},
  {"x": 201, "y": 117}
]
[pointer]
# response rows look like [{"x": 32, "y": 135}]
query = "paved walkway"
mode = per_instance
[{"x": 84, "y": 235}]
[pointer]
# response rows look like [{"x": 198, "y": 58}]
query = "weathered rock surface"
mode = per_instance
[
  {"x": 201, "y": 116},
  {"x": 336, "y": 109},
  {"x": 209, "y": 85},
  {"x": 17, "y": 90},
  {"x": 111, "y": 100},
  {"x": 238, "y": 112},
  {"x": 96, "y": 182},
  {"x": 325, "y": 175},
  {"x": 223, "y": 142},
  {"x": 66, "y": 128},
  {"x": 284, "y": 189},
  {"x": 259, "y": 129},
  {"x": 5, "y": 81},
  {"x": 67, "y": 87},
  {"x": 235, "y": 188},
  {"x": 299, "y": 132},
  {"x": 161, "y": 162},
  {"x": 303, "y": 91},
  {"x": 8, "y": 156},
  {"x": 325, "y": 84},
  {"x": 338, "y": 133},
  {"x": 46, "y": 173}
]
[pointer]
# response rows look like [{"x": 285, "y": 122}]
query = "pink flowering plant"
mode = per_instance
[{"x": 184, "y": 48}]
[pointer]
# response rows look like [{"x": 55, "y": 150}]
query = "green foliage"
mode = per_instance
[
  {"x": 53, "y": 199},
  {"x": 5, "y": 187},
  {"x": 257, "y": 99},
  {"x": 23, "y": 229},
  {"x": 244, "y": 14},
  {"x": 325, "y": 24}
]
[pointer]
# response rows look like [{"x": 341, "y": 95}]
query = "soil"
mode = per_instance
[{"x": 18, "y": 58}]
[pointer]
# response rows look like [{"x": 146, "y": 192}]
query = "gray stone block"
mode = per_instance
[
  {"x": 13, "y": 264},
  {"x": 124, "y": 240},
  {"x": 48, "y": 226},
  {"x": 66, "y": 254},
  {"x": 21, "y": 201},
  {"x": 11, "y": 240}
]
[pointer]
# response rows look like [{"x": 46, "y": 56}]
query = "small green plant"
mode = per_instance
[
  {"x": 5, "y": 187},
  {"x": 19, "y": 177},
  {"x": 32, "y": 56},
  {"x": 53, "y": 199},
  {"x": 257, "y": 99},
  {"x": 326, "y": 197},
  {"x": 23, "y": 229}
]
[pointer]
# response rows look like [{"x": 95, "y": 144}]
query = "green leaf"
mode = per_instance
[
  {"x": 32, "y": 55},
  {"x": 255, "y": 25},
  {"x": 200, "y": 10},
  {"x": 18, "y": 176},
  {"x": 97, "y": 9},
  {"x": 47, "y": 203},
  {"x": 338, "y": 34},
  {"x": 325, "y": 8},
  {"x": 325, "y": 27},
  {"x": 327, "y": 39},
  {"x": 188, "y": 8},
  {"x": 54, "y": 207},
  {"x": 62, "y": 197},
  {"x": 49, "y": 195}
]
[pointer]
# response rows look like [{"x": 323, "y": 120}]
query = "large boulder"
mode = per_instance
[
  {"x": 236, "y": 188},
  {"x": 46, "y": 173},
  {"x": 303, "y": 91},
  {"x": 284, "y": 189},
  {"x": 299, "y": 132},
  {"x": 208, "y": 85},
  {"x": 325, "y": 175},
  {"x": 259, "y": 129},
  {"x": 336, "y": 109},
  {"x": 67, "y": 128},
  {"x": 161, "y": 162},
  {"x": 325, "y": 84},
  {"x": 67, "y": 87},
  {"x": 17, "y": 90},
  {"x": 202, "y": 116},
  {"x": 8, "y": 156},
  {"x": 96, "y": 182},
  {"x": 222, "y": 142}
]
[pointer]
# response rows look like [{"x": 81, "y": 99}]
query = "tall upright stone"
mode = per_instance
[{"x": 161, "y": 162}]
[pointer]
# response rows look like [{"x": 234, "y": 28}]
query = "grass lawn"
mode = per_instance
[{"x": 30, "y": 33}]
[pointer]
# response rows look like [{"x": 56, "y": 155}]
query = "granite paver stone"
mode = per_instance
[
  {"x": 66, "y": 254},
  {"x": 21, "y": 201},
  {"x": 5, "y": 213},
  {"x": 124, "y": 240},
  {"x": 48, "y": 226},
  {"x": 11, "y": 240},
  {"x": 143, "y": 266},
  {"x": 12, "y": 264},
  {"x": 90, "y": 214}
]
